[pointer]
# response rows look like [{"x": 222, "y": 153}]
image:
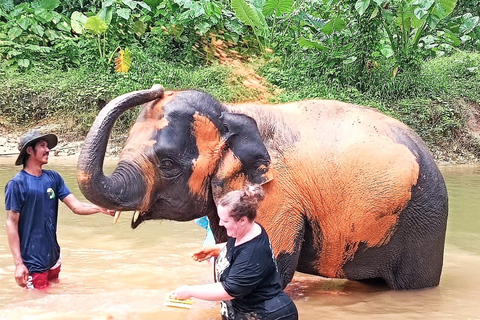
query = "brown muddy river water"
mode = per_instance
[{"x": 113, "y": 272}]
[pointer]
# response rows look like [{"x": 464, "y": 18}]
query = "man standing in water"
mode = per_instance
[{"x": 31, "y": 201}]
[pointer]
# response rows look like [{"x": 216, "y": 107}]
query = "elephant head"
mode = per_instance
[{"x": 184, "y": 151}]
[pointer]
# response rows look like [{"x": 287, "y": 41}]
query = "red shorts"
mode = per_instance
[{"x": 42, "y": 280}]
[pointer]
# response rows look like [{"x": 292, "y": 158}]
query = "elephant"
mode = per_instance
[{"x": 351, "y": 193}]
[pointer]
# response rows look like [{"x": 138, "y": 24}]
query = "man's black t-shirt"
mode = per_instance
[{"x": 249, "y": 273}]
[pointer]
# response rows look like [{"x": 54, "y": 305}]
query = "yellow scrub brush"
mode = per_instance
[{"x": 178, "y": 303}]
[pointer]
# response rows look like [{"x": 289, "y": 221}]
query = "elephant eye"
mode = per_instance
[
  {"x": 167, "y": 164},
  {"x": 169, "y": 168}
]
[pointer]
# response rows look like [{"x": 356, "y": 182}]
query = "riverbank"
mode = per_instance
[
  {"x": 64, "y": 150},
  {"x": 70, "y": 150}
]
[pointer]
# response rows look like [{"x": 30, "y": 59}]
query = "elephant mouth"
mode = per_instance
[{"x": 137, "y": 218}]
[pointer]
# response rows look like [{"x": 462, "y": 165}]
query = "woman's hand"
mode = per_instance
[
  {"x": 181, "y": 293},
  {"x": 207, "y": 252}
]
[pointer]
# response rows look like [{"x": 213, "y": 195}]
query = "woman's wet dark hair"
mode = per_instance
[{"x": 243, "y": 202}]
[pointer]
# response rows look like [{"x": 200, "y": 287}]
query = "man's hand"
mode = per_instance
[
  {"x": 21, "y": 275},
  {"x": 106, "y": 211}
]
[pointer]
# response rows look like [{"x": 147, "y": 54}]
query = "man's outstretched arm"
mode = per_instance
[{"x": 85, "y": 208}]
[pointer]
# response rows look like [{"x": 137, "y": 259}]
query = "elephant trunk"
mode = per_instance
[{"x": 115, "y": 191}]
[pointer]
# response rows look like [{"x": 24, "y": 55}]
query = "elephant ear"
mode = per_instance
[{"x": 246, "y": 159}]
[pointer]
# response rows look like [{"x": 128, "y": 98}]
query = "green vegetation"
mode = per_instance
[{"x": 415, "y": 60}]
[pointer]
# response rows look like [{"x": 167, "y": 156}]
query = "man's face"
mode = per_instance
[{"x": 39, "y": 152}]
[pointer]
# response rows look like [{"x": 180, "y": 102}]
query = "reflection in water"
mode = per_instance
[{"x": 113, "y": 272}]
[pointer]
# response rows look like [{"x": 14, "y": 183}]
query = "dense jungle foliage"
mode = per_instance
[{"x": 417, "y": 60}]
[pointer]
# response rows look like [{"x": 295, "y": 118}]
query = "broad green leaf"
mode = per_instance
[
  {"x": 131, "y": 4},
  {"x": 257, "y": 3},
  {"x": 151, "y": 3},
  {"x": 203, "y": 28},
  {"x": 106, "y": 14},
  {"x": 415, "y": 23},
  {"x": 379, "y": 2},
  {"x": 312, "y": 44},
  {"x": 19, "y": 10},
  {"x": 57, "y": 17},
  {"x": 52, "y": 34},
  {"x": 186, "y": 15},
  {"x": 139, "y": 28},
  {"x": 468, "y": 24},
  {"x": 197, "y": 10},
  {"x": 24, "y": 23},
  {"x": 183, "y": 3},
  {"x": 263, "y": 22},
  {"x": 14, "y": 33},
  {"x": 46, "y": 4},
  {"x": 145, "y": 5},
  {"x": 433, "y": 21},
  {"x": 428, "y": 40},
  {"x": 23, "y": 63},
  {"x": 443, "y": 8},
  {"x": 388, "y": 16},
  {"x": 37, "y": 29},
  {"x": 124, "y": 13},
  {"x": 46, "y": 15},
  {"x": 420, "y": 13},
  {"x": 232, "y": 37},
  {"x": 107, "y": 3},
  {"x": 245, "y": 13},
  {"x": 63, "y": 26},
  {"x": 386, "y": 50},
  {"x": 233, "y": 26},
  {"x": 213, "y": 9},
  {"x": 309, "y": 19},
  {"x": 404, "y": 19},
  {"x": 335, "y": 24},
  {"x": 328, "y": 28},
  {"x": 361, "y": 6},
  {"x": 424, "y": 4},
  {"x": 38, "y": 12},
  {"x": 278, "y": 6},
  {"x": 96, "y": 25},
  {"x": 145, "y": 18},
  {"x": 78, "y": 21},
  {"x": 452, "y": 38}
]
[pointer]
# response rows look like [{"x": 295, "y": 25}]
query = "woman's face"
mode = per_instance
[{"x": 228, "y": 222}]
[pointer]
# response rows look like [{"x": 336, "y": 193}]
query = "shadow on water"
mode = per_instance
[{"x": 113, "y": 272}]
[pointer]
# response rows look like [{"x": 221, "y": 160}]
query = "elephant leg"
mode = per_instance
[
  {"x": 286, "y": 232},
  {"x": 413, "y": 257}
]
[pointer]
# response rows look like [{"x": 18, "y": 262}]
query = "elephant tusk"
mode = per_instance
[
  {"x": 117, "y": 215},
  {"x": 136, "y": 215}
]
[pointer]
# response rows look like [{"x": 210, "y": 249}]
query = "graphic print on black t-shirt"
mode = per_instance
[{"x": 248, "y": 272}]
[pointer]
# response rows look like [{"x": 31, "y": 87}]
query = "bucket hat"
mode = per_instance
[{"x": 32, "y": 137}]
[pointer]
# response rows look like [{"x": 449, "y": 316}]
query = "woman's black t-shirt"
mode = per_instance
[{"x": 249, "y": 273}]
